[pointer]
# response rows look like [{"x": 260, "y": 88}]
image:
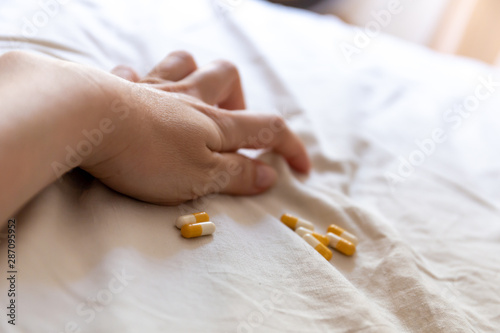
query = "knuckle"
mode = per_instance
[
  {"x": 189, "y": 88},
  {"x": 211, "y": 165},
  {"x": 125, "y": 72},
  {"x": 184, "y": 56},
  {"x": 151, "y": 80},
  {"x": 210, "y": 111},
  {"x": 277, "y": 123},
  {"x": 227, "y": 66},
  {"x": 122, "y": 68},
  {"x": 224, "y": 123},
  {"x": 14, "y": 57},
  {"x": 179, "y": 87}
]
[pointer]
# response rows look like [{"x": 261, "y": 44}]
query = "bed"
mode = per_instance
[{"x": 404, "y": 146}]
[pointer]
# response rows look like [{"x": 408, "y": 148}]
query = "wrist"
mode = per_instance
[
  {"x": 85, "y": 120},
  {"x": 108, "y": 133}
]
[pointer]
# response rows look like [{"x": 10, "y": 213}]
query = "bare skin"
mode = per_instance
[{"x": 159, "y": 139}]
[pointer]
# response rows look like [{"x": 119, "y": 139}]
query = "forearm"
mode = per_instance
[{"x": 46, "y": 106}]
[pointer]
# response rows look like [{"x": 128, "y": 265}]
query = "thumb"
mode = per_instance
[{"x": 244, "y": 176}]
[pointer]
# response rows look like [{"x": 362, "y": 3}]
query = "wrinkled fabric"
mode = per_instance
[{"x": 402, "y": 158}]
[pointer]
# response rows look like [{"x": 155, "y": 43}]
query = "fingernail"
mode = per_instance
[{"x": 266, "y": 176}]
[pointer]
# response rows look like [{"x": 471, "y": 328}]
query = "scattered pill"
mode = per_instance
[
  {"x": 303, "y": 231},
  {"x": 318, "y": 246},
  {"x": 294, "y": 222},
  {"x": 340, "y": 244},
  {"x": 197, "y": 229},
  {"x": 191, "y": 218},
  {"x": 335, "y": 229}
]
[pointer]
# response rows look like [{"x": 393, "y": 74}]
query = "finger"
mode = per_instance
[
  {"x": 126, "y": 73},
  {"x": 174, "y": 67},
  {"x": 239, "y": 175},
  {"x": 218, "y": 84},
  {"x": 249, "y": 130}
]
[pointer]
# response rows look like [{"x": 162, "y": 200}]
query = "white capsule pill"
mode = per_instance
[
  {"x": 335, "y": 229},
  {"x": 318, "y": 246},
  {"x": 303, "y": 231},
  {"x": 197, "y": 229},
  {"x": 191, "y": 218},
  {"x": 294, "y": 222},
  {"x": 340, "y": 244}
]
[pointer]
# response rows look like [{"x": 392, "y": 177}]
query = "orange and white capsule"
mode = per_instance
[
  {"x": 340, "y": 244},
  {"x": 294, "y": 222},
  {"x": 191, "y": 218},
  {"x": 197, "y": 229},
  {"x": 303, "y": 231},
  {"x": 318, "y": 246},
  {"x": 335, "y": 229}
]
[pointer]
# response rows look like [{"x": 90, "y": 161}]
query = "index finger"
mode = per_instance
[{"x": 243, "y": 129}]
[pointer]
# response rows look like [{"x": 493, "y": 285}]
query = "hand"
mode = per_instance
[{"x": 180, "y": 141}]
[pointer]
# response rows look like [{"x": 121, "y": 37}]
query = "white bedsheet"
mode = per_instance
[{"x": 92, "y": 260}]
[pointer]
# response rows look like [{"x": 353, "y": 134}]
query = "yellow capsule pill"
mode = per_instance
[
  {"x": 335, "y": 229},
  {"x": 302, "y": 231},
  {"x": 191, "y": 218},
  {"x": 340, "y": 244},
  {"x": 294, "y": 222},
  {"x": 197, "y": 229},
  {"x": 318, "y": 246}
]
